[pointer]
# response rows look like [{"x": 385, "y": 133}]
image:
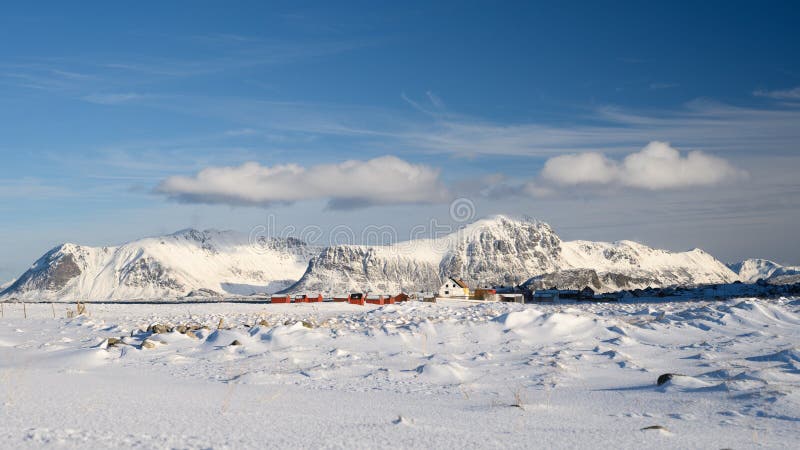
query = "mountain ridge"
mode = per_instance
[
  {"x": 497, "y": 250},
  {"x": 168, "y": 266},
  {"x": 503, "y": 251},
  {"x": 754, "y": 269}
]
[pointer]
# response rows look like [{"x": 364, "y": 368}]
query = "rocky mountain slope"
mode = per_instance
[
  {"x": 493, "y": 251},
  {"x": 165, "y": 267}
]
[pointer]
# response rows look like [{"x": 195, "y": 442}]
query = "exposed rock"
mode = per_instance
[
  {"x": 204, "y": 293},
  {"x": 159, "y": 328},
  {"x": 51, "y": 272},
  {"x": 664, "y": 378},
  {"x": 149, "y": 272},
  {"x": 110, "y": 343}
]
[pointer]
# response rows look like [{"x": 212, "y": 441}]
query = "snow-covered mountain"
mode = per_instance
[
  {"x": 503, "y": 251},
  {"x": 493, "y": 251},
  {"x": 638, "y": 261},
  {"x": 490, "y": 251},
  {"x": 752, "y": 270},
  {"x": 165, "y": 267}
]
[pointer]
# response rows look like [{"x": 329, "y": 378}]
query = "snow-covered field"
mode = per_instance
[{"x": 446, "y": 375}]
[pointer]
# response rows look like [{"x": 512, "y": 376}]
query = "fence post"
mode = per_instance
[
  {"x": 53, "y": 307},
  {"x": 24, "y": 310}
]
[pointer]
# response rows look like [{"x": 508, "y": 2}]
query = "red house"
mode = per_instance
[
  {"x": 341, "y": 299},
  {"x": 281, "y": 299},
  {"x": 375, "y": 299},
  {"x": 356, "y": 299},
  {"x": 401, "y": 297},
  {"x": 484, "y": 293},
  {"x": 316, "y": 299},
  {"x": 301, "y": 298}
]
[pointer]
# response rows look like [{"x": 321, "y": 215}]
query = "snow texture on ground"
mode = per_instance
[{"x": 448, "y": 375}]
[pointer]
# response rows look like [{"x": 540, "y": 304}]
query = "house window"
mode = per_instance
[{"x": 446, "y": 292}]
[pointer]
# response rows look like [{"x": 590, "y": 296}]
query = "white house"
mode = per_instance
[{"x": 454, "y": 288}]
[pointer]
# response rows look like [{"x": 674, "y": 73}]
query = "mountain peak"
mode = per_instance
[
  {"x": 753, "y": 269},
  {"x": 193, "y": 233},
  {"x": 503, "y": 221}
]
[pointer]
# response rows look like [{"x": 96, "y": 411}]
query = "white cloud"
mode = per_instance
[
  {"x": 657, "y": 166},
  {"x": 582, "y": 168},
  {"x": 112, "y": 99},
  {"x": 241, "y": 132},
  {"x": 783, "y": 94},
  {"x": 351, "y": 184}
]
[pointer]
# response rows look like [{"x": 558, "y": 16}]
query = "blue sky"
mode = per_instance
[{"x": 104, "y": 105}]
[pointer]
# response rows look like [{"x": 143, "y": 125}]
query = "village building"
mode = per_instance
[
  {"x": 281, "y": 299},
  {"x": 378, "y": 299},
  {"x": 401, "y": 297},
  {"x": 513, "y": 297},
  {"x": 484, "y": 294},
  {"x": 356, "y": 299},
  {"x": 546, "y": 295},
  {"x": 454, "y": 288},
  {"x": 556, "y": 295}
]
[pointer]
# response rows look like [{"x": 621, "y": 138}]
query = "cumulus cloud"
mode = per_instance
[
  {"x": 657, "y": 166},
  {"x": 352, "y": 184},
  {"x": 582, "y": 168}
]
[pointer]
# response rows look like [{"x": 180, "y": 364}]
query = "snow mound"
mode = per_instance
[
  {"x": 687, "y": 383},
  {"x": 789, "y": 355},
  {"x": 443, "y": 373},
  {"x": 518, "y": 319}
]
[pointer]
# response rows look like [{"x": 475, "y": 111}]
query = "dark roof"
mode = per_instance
[{"x": 460, "y": 282}]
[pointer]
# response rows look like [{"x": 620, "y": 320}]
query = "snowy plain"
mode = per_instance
[{"x": 412, "y": 375}]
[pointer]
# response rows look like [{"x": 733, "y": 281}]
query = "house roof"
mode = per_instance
[{"x": 460, "y": 282}]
